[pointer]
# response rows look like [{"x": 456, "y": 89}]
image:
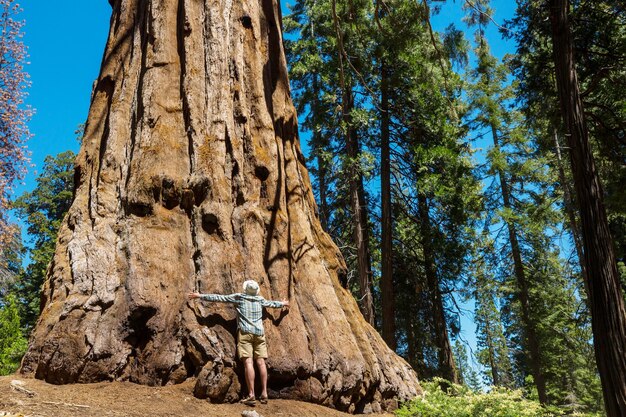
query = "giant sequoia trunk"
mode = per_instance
[
  {"x": 190, "y": 177},
  {"x": 608, "y": 314}
]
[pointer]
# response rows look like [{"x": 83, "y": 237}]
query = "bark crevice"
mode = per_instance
[{"x": 200, "y": 185}]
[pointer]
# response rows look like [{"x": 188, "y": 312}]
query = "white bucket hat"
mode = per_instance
[{"x": 251, "y": 287}]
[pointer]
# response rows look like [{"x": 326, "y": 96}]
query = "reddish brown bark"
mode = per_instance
[
  {"x": 447, "y": 366},
  {"x": 190, "y": 178},
  {"x": 386, "y": 279},
  {"x": 355, "y": 180},
  {"x": 608, "y": 316}
]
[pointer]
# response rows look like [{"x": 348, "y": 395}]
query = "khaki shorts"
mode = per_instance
[{"x": 251, "y": 346}]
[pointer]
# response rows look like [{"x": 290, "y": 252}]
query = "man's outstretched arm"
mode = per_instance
[
  {"x": 232, "y": 298},
  {"x": 275, "y": 304}
]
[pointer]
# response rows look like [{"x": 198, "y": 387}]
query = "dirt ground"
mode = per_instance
[{"x": 21, "y": 396}]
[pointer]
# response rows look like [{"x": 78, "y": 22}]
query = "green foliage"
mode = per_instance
[
  {"x": 389, "y": 48},
  {"x": 13, "y": 344},
  {"x": 460, "y": 401},
  {"x": 522, "y": 200},
  {"x": 467, "y": 374},
  {"x": 602, "y": 83},
  {"x": 493, "y": 352},
  {"x": 43, "y": 210},
  {"x": 10, "y": 263},
  {"x": 433, "y": 113}
]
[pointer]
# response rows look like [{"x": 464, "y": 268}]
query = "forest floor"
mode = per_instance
[{"x": 28, "y": 397}]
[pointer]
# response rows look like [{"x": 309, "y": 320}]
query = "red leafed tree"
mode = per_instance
[{"x": 13, "y": 114}]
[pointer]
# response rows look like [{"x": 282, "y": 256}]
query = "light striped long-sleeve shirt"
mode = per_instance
[{"x": 249, "y": 309}]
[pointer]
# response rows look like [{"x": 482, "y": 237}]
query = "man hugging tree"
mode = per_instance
[{"x": 250, "y": 334}]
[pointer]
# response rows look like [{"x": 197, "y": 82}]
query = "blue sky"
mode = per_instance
[{"x": 66, "y": 41}]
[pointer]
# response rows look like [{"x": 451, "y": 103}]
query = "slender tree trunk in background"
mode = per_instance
[
  {"x": 481, "y": 294},
  {"x": 495, "y": 374},
  {"x": 608, "y": 316},
  {"x": 498, "y": 358},
  {"x": 411, "y": 345},
  {"x": 568, "y": 203},
  {"x": 360, "y": 217},
  {"x": 414, "y": 337},
  {"x": 447, "y": 367},
  {"x": 320, "y": 145},
  {"x": 387, "y": 292},
  {"x": 355, "y": 179},
  {"x": 530, "y": 332},
  {"x": 190, "y": 178}
]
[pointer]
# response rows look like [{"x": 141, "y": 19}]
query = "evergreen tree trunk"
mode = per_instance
[
  {"x": 608, "y": 316},
  {"x": 190, "y": 178},
  {"x": 489, "y": 329},
  {"x": 320, "y": 145},
  {"x": 359, "y": 213},
  {"x": 530, "y": 332},
  {"x": 415, "y": 338},
  {"x": 495, "y": 374},
  {"x": 568, "y": 203},
  {"x": 387, "y": 292},
  {"x": 355, "y": 180},
  {"x": 447, "y": 367}
]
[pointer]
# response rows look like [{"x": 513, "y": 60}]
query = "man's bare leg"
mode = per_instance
[
  {"x": 260, "y": 362},
  {"x": 249, "y": 369}
]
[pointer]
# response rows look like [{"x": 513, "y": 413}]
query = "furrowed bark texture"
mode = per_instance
[
  {"x": 190, "y": 178},
  {"x": 386, "y": 279},
  {"x": 608, "y": 313}
]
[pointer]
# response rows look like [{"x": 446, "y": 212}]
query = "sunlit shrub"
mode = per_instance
[{"x": 459, "y": 401}]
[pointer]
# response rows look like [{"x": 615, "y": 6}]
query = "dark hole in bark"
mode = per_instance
[
  {"x": 281, "y": 384},
  {"x": 210, "y": 223},
  {"x": 140, "y": 333},
  {"x": 78, "y": 174},
  {"x": 196, "y": 260},
  {"x": 246, "y": 21},
  {"x": 189, "y": 366},
  {"x": 241, "y": 119},
  {"x": 200, "y": 190},
  {"x": 186, "y": 200},
  {"x": 261, "y": 172},
  {"x": 169, "y": 193},
  {"x": 240, "y": 199},
  {"x": 138, "y": 208},
  {"x": 342, "y": 274}
]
